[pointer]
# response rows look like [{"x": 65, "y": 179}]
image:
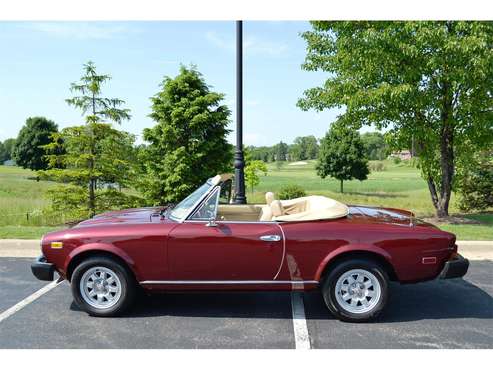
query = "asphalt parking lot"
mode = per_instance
[{"x": 439, "y": 314}]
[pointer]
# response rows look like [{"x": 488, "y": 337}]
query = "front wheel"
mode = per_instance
[
  {"x": 356, "y": 290},
  {"x": 101, "y": 286}
]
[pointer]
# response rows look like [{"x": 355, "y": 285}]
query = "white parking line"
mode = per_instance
[
  {"x": 301, "y": 337},
  {"x": 19, "y": 306}
]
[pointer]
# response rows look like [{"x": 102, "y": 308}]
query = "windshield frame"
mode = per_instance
[{"x": 195, "y": 205}]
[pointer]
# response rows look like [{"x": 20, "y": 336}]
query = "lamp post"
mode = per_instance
[{"x": 239, "y": 162}]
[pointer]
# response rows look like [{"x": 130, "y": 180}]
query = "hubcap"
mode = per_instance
[
  {"x": 100, "y": 287},
  {"x": 358, "y": 291}
]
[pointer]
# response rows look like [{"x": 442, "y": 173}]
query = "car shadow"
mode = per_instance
[
  {"x": 445, "y": 299},
  {"x": 439, "y": 299}
]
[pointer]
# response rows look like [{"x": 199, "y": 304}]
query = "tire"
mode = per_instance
[
  {"x": 356, "y": 290},
  {"x": 113, "y": 286}
]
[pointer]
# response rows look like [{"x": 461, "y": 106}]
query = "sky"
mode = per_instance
[{"x": 39, "y": 60}]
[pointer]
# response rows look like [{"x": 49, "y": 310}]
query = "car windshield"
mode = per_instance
[{"x": 185, "y": 206}]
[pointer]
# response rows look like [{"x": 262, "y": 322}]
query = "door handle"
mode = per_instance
[{"x": 270, "y": 238}]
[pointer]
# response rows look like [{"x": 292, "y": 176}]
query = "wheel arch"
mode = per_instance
[
  {"x": 374, "y": 253},
  {"x": 83, "y": 252}
]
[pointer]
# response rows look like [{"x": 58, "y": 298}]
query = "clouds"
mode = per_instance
[
  {"x": 79, "y": 30},
  {"x": 253, "y": 45}
]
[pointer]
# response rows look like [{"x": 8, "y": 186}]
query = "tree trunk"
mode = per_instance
[
  {"x": 342, "y": 186},
  {"x": 441, "y": 198},
  {"x": 92, "y": 198},
  {"x": 446, "y": 152}
]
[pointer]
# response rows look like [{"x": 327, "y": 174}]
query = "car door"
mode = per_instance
[{"x": 204, "y": 250}]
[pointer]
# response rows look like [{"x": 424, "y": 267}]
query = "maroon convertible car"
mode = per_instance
[{"x": 349, "y": 253}]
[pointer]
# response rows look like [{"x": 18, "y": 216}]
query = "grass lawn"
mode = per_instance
[
  {"x": 399, "y": 186},
  {"x": 25, "y": 232},
  {"x": 20, "y": 194}
]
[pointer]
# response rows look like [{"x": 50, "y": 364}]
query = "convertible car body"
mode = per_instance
[{"x": 205, "y": 243}]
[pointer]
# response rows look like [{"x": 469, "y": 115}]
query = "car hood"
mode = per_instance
[
  {"x": 132, "y": 215},
  {"x": 384, "y": 215}
]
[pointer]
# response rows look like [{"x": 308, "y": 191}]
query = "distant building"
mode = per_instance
[
  {"x": 403, "y": 155},
  {"x": 10, "y": 162}
]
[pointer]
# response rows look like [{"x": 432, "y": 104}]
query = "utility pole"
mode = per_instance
[{"x": 239, "y": 162}]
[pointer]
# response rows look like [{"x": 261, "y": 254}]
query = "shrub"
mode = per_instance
[
  {"x": 475, "y": 186},
  {"x": 397, "y": 160},
  {"x": 291, "y": 192}
]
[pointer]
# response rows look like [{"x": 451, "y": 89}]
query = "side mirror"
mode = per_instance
[{"x": 211, "y": 222}]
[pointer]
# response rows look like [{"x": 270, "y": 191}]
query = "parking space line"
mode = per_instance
[
  {"x": 19, "y": 306},
  {"x": 301, "y": 336}
]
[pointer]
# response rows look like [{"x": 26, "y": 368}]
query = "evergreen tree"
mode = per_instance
[{"x": 188, "y": 143}]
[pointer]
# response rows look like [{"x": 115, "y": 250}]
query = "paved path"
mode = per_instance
[{"x": 474, "y": 250}]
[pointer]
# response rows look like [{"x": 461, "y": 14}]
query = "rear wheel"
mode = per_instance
[
  {"x": 101, "y": 286},
  {"x": 356, "y": 290}
]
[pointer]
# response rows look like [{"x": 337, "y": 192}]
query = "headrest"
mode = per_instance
[
  {"x": 266, "y": 214},
  {"x": 269, "y": 197},
  {"x": 276, "y": 208}
]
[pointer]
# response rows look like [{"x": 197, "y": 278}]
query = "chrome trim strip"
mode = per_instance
[
  {"x": 235, "y": 222},
  {"x": 238, "y": 282}
]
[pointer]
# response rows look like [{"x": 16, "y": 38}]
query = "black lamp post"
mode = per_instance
[{"x": 240, "y": 197}]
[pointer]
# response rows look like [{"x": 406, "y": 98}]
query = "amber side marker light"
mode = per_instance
[
  {"x": 56, "y": 245},
  {"x": 429, "y": 260}
]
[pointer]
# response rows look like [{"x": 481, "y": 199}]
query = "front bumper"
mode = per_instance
[
  {"x": 455, "y": 268},
  {"x": 42, "y": 269}
]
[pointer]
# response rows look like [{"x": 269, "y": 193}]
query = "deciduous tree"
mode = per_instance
[
  {"x": 342, "y": 155},
  {"x": 6, "y": 149},
  {"x": 29, "y": 151},
  {"x": 252, "y": 170},
  {"x": 375, "y": 145},
  {"x": 428, "y": 81}
]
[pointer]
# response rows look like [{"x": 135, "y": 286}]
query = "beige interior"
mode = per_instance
[
  {"x": 240, "y": 212},
  {"x": 313, "y": 207}
]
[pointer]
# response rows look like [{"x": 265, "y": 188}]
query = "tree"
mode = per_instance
[
  {"x": 252, "y": 170},
  {"x": 375, "y": 145},
  {"x": 261, "y": 153},
  {"x": 342, "y": 155},
  {"x": 476, "y": 183},
  {"x": 95, "y": 153},
  {"x": 28, "y": 151},
  {"x": 427, "y": 82},
  {"x": 98, "y": 157},
  {"x": 188, "y": 143},
  {"x": 3, "y": 153},
  {"x": 281, "y": 151},
  {"x": 303, "y": 148},
  {"x": 6, "y": 149}
]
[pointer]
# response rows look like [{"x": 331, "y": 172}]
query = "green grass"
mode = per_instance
[
  {"x": 399, "y": 186},
  {"x": 20, "y": 195},
  {"x": 470, "y": 232},
  {"x": 25, "y": 232}
]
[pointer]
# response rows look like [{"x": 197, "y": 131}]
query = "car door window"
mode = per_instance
[{"x": 208, "y": 209}]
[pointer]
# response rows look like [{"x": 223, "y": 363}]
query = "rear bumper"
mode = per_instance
[
  {"x": 42, "y": 269},
  {"x": 455, "y": 268}
]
